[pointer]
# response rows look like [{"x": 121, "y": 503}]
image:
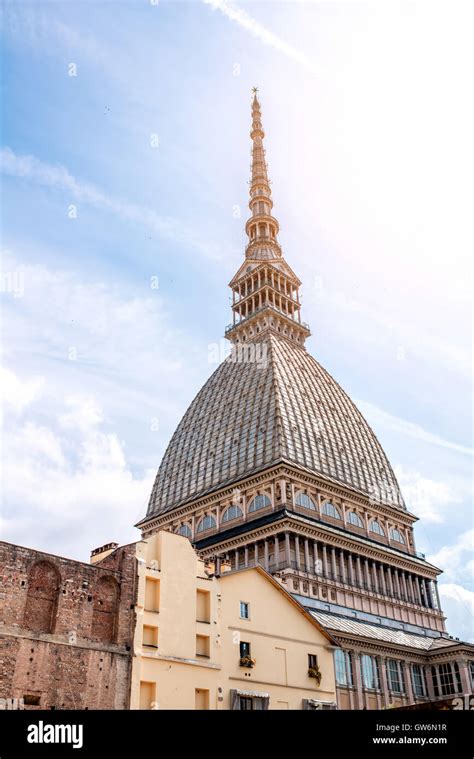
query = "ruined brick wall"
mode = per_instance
[{"x": 66, "y": 629}]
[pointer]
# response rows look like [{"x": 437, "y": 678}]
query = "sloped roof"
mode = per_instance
[
  {"x": 335, "y": 624},
  {"x": 250, "y": 415}
]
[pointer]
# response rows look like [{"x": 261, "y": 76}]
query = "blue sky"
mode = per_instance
[{"x": 124, "y": 203}]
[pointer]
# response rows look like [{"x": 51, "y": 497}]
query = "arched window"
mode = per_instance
[
  {"x": 185, "y": 530},
  {"x": 259, "y": 502},
  {"x": 207, "y": 523},
  {"x": 104, "y": 612},
  {"x": 354, "y": 519},
  {"x": 42, "y": 597},
  {"x": 303, "y": 499},
  {"x": 377, "y": 528},
  {"x": 330, "y": 510},
  {"x": 396, "y": 535},
  {"x": 233, "y": 512}
]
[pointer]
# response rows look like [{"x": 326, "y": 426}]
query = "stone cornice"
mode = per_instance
[
  {"x": 282, "y": 470},
  {"x": 326, "y": 534}
]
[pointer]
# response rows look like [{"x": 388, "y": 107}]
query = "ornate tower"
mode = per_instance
[
  {"x": 265, "y": 291},
  {"x": 273, "y": 464}
]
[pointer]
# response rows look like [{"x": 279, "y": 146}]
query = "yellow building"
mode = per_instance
[{"x": 210, "y": 638}]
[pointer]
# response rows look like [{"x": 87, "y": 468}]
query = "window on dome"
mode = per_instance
[
  {"x": 330, "y": 510},
  {"x": 303, "y": 499},
  {"x": 354, "y": 519},
  {"x": 233, "y": 512},
  {"x": 185, "y": 530},
  {"x": 376, "y": 527},
  {"x": 207, "y": 523},
  {"x": 396, "y": 535},
  {"x": 259, "y": 502}
]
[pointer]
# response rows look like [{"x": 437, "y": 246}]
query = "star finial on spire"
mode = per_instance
[{"x": 255, "y": 90}]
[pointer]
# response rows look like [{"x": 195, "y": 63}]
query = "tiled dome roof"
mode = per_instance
[{"x": 251, "y": 415}]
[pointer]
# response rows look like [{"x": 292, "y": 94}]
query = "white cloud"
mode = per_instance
[
  {"x": 69, "y": 504},
  {"x": 457, "y": 600},
  {"x": 16, "y": 393},
  {"x": 431, "y": 500},
  {"x": 59, "y": 178},
  {"x": 233, "y": 12},
  {"x": 458, "y": 605},
  {"x": 381, "y": 418},
  {"x": 83, "y": 413},
  {"x": 85, "y": 436},
  {"x": 454, "y": 558}
]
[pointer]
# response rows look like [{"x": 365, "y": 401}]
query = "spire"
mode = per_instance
[
  {"x": 265, "y": 290},
  {"x": 262, "y": 228}
]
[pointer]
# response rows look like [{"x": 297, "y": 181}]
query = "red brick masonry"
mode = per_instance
[{"x": 66, "y": 629}]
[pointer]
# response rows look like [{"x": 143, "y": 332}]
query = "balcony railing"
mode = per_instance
[{"x": 272, "y": 308}]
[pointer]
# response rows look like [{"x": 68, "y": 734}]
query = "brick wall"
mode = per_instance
[{"x": 66, "y": 629}]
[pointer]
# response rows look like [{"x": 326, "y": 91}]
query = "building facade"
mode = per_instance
[
  {"x": 66, "y": 629},
  {"x": 274, "y": 465},
  {"x": 208, "y": 637}
]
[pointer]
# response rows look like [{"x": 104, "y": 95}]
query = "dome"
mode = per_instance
[{"x": 282, "y": 407}]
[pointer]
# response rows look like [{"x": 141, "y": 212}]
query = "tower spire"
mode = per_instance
[
  {"x": 265, "y": 290},
  {"x": 262, "y": 228}
]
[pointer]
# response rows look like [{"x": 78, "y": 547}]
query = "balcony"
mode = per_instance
[
  {"x": 266, "y": 240},
  {"x": 232, "y": 326}
]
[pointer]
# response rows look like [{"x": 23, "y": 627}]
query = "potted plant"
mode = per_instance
[
  {"x": 247, "y": 661},
  {"x": 316, "y": 673}
]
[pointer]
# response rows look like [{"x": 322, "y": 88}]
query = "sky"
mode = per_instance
[{"x": 125, "y": 163}]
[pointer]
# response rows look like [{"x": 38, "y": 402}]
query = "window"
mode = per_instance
[
  {"x": 244, "y": 610},
  {"x": 312, "y": 661},
  {"x": 418, "y": 679},
  {"x": 303, "y": 499},
  {"x": 471, "y": 669},
  {"x": 244, "y": 649},
  {"x": 446, "y": 679},
  {"x": 396, "y": 678},
  {"x": 201, "y": 698},
  {"x": 343, "y": 667},
  {"x": 247, "y": 702},
  {"x": 396, "y": 535},
  {"x": 354, "y": 519},
  {"x": 203, "y": 606},
  {"x": 147, "y": 695},
  {"x": 259, "y": 502},
  {"x": 233, "y": 512},
  {"x": 185, "y": 530},
  {"x": 370, "y": 672},
  {"x": 330, "y": 510},
  {"x": 150, "y": 636},
  {"x": 152, "y": 594},
  {"x": 377, "y": 528},
  {"x": 207, "y": 523},
  {"x": 203, "y": 645}
]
